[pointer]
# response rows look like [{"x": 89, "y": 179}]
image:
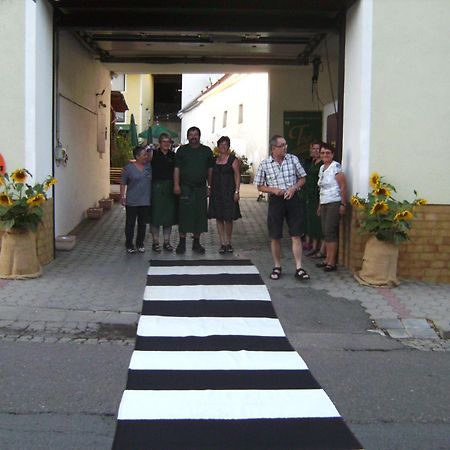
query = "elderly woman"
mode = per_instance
[
  {"x": 224, "y": 196},
  {"x": 164, "y": 210},
  {"x": 333, "y": 192},
  {"x": 135, "y": 187}
]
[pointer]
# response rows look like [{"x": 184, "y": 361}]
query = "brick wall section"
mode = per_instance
[
  {"x": 426, "y": 256},
  {"x": 45, "y": 238}
]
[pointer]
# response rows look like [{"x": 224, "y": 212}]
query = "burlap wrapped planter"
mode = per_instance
[
  {"x": 18, "y": 255},
  {"x": 379, "y": 267}
]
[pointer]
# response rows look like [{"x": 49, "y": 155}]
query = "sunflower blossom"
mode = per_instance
[
  {"x": 374, "y": 180},
  {"x": 19, "y": 175},
  {"x": 420, "y": 202},
  {"x": 36, "y": 200},
  {"x": 379, "y": 208},
  {"x": 49, "y": 183},
  {"x": 355, "y": 201},
  {"x": 403, "y": 215},
  {"x": 382, "y": 191},
  {"x": 5, "y": 200}
]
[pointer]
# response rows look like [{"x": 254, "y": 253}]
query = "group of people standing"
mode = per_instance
[{"x": 165, "y": 188}]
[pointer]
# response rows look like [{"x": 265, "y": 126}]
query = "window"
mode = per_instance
[
  {"x": 213, "y": 125},
  {"x": 241, "y": 113},
  {"x": 225, "y": 114},
  {"x": 120, "y": 117}
]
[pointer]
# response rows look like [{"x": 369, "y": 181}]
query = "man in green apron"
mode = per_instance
[{"x": 192, "y": 180}]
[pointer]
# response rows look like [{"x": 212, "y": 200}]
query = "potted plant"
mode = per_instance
[
  {"x": 389, "y": 221},
  {"x": 244, "y": 167},
  {"x": 121, "y": 153},
  {"x": 20, "y": 214}
]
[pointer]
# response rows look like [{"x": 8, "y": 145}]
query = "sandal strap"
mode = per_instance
[{"x": 302, "y": 274}]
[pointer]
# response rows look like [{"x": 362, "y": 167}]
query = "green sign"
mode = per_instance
[{"x": 300, "y": 129}]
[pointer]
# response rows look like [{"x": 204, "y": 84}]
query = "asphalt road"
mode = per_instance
[{"x": 65, "y": 396}]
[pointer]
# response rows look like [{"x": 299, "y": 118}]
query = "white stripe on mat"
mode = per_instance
[
  {"x": 225, "y": 404},
  {"x": 216, "y": 360},
  {"x": 203, "y": 292},
  {"x": 208, "y": 326},
  {"x": 201, "y": 270}
]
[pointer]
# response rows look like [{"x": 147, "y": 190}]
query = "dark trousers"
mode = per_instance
[{"x": 141, "y": 214}]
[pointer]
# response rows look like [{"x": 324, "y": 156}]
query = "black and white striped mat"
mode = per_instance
[{"x": 213, "y": 369}]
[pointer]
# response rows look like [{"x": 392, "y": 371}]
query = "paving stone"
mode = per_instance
[
  {"x": 389, "y": 323},
  {"x": 425, "y": 333},
  {"x": 416, "y": 323},
  {"x": 396, "y": 333},
  {"x": 443, "y": 327}
]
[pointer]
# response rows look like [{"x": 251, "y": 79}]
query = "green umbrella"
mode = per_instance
[
  {"x": 149, "y": 136},
  {"x": 156, "y": 130},
  {"x": 133, "y": 132}
]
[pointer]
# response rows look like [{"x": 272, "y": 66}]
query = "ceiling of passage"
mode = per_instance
[{"x": 237, "y": 32}]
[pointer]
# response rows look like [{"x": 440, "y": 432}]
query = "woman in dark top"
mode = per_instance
[
  {"x": 224, "y": 197},
  {"x": 135, "y": 189},
  {"x": 163, "y": 200}
]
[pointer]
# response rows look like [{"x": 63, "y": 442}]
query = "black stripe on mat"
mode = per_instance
[
  {"x": 220, "y": 379},
  {"x": 206, "y": 280},
  {"x": 257, "y": 434},
  {"x": 211, "y": 343},
  {"x": 209, "y": 308},
  {"x": 200, "y": 262}
]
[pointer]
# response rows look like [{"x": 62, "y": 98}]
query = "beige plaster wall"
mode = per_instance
[
  {"x": 290, "y": 87},
  {"x": 410, "y": 114},
  {"x": 85, "y": 178},
  {"x": 12, "y": 82}
]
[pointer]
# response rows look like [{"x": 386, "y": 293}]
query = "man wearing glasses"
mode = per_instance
[{"x": 280, "y": 176}]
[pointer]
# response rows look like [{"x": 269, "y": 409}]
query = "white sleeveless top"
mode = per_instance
[{"x": 328, "y": 185}]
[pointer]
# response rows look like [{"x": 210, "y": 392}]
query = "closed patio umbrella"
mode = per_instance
[{"x": 133, "y": 132}]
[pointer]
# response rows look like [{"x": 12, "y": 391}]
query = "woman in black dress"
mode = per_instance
[{"x": 224, "y": 196}]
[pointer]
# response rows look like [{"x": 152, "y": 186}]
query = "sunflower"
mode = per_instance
[
  {"x": 420, "y": 202},
  {"x": 357, "y": 202},
  {"x": 49, "y": 183},
  {"x": 383, "y": 191},
  {"x": 5, "y": 200},
  {"x": 379, "y": 208},
  {"x": 36, "y": 200},
  {"x": 19, "y": 175},
  {"x": 403, "y": 215},
  {"x": 374, "y": 180}
]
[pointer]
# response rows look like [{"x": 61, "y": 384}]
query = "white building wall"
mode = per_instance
[
  {"x": 248, "y": 138},
  {"x": 26, "y": 32},
  {"x": 44, "y": 90},
  {"x": 196, "y": 83},
  {"x": 85, "y": 178},
  {"x": 358, "y": 96},
  {"x": 411, "y": 96}
]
